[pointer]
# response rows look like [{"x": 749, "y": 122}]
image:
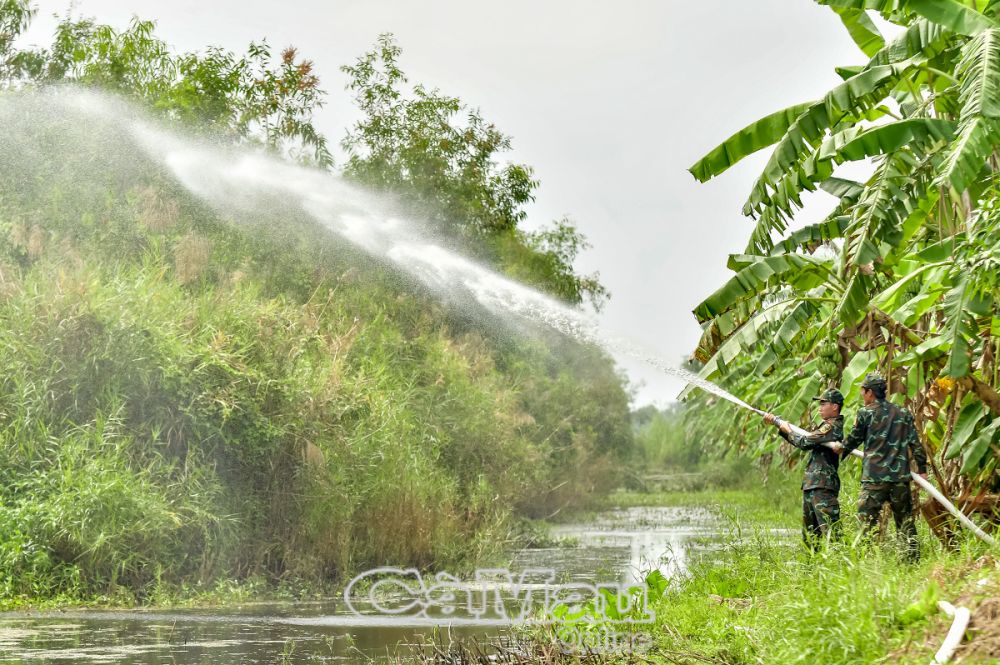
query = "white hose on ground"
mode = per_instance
[
  {"x": 955, "y": 634},
  {"x": 927, "y": 487},
  {"x": 950, "y": 507}
]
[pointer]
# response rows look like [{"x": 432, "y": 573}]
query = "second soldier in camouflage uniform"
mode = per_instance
[
  {"x": 889, "y": 435},
  {"x": 821, "y": 483}
]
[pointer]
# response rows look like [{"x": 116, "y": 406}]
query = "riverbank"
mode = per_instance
[
  {"x": 755, "y": 595},
  {"x": 238, "y": 624},
  {"x": 736, "y": 490},
  {"x": 747, "y": 591},
  {"x": 767, "y": 601},
  {"x": 763, "y": 598}
]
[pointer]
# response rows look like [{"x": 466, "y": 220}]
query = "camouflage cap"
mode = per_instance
[
  {"x": 873, "y": 379},
  {"x": 831, "y": 395}
]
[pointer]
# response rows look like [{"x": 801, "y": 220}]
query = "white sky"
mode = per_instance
[{"x": 610, "y": 102}]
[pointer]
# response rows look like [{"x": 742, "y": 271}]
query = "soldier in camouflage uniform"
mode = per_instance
[
  {"x": 821, "y": 484},
  {"x": 889, "y": 435}
]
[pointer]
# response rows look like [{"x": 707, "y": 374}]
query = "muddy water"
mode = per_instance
[{"x": 617, "y": 546}]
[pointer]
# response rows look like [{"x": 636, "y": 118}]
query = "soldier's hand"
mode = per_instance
[
  {"x": 769, "y": 418},
  {"x": 785, "y": 427},
  {"x": 923, "y": 475},
  {"x": 837, "y": 447}
]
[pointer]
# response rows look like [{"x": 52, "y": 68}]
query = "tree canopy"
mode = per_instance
[
  {"x": 428, "y": 148},
  {"x": 443, "y": 157}
]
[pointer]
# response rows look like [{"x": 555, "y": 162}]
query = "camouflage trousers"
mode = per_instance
[
  {"x": 820, "y": 515},
  {"x": 897, "y": 495}
]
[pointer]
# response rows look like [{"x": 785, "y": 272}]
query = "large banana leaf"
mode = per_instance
[
  {"x": 950, "y": 14},
  {"x": 967, "y": 155},
  {"x": 854, "y": 300},
  {"x": 852, "y": 97},
  {"x": 860, "y": 364},
  {"x": 747, "y": 337},
  {"x": 862, "y": 30},
  {"x": 910, "y": 311},
  {"x": 717, "y": 330},
  {"x": 755, "y": 136},
  {"x": 887, "y": 201},
  {"x": 965, "y": 425},
  {"x": 921, "y": 38},
  {"x": 929, "y": 349},
  {"x": 797, "y": 320},
  {"x": 961, "y": 305},
  {"x": 768, "y": 393},
  {"x": 892, "y": 298},
  {"x": 876, "y": 221},
  {"x": 794, "y": 164},
  {"x": 842, "y": 188},
  {"x": 919, "y": 210},
  {"x": 780, "y": 203},
  {"x": 813, "y": 234},
  {"x": 833, "y": 226},
  {"x": 784, "y": 196},
  {"x": 979, "y": 129},
  {"x": 977, "y": 450},
  {"x": 979, "y": 71},
  {"x": 808, "y": 387},
  {"x": 851, "y": 144},
  {"x": 953, "y": 15},
  {"x": 890, "y": 137},
  {"x": 798, "y": 270}
]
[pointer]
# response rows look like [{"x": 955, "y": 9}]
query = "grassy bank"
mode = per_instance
[
  {"x": 764, "y": 599},
  {"x": 737, "y": 489}
]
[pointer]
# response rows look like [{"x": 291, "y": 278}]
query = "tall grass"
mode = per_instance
[{"x": 188, "y": 398}]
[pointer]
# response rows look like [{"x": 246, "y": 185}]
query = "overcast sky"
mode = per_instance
[{"x": 610, "y": 102}]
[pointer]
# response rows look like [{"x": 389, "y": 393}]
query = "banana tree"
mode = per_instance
[{"x": 902, "y": 275}]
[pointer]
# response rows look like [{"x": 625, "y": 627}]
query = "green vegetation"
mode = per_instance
[
  {"x": 762, "y": 597},
  {"x": 902, "y": 274},
  {"x": 661, "y": 440},
  {"x": 203, "y": 405},
  {"x": 673, "y": 460},
  {"x": 189, "y": 398},
  {"x": 766, "y": 600}
]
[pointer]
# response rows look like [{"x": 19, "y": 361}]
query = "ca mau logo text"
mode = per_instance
[{"x": 494, "y": 596}]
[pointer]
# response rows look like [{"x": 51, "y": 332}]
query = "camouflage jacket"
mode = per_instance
[
  {"x": 887, "y": 432},
  {"x": 821, "y": 471}
]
